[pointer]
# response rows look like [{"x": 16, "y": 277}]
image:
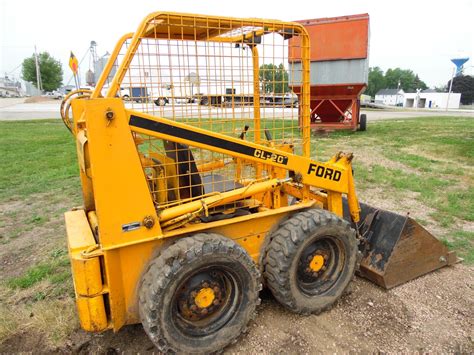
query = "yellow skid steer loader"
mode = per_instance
[{"x": 193, "y": 202}]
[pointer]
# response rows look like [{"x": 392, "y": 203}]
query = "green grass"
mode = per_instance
[
  {"x": 449, "y": 204},
  {"x": 39, "y": 157},
  {"x": 444, "y": 137},
  {"x": 434, "y": 154},
  {"x": 414, "y": 161},
  {"x": 463, "y": 243},
  {"x": 55, "y": 269},
  {"x": 32, "y": 276},
  {"x": 36, "y": 156}
]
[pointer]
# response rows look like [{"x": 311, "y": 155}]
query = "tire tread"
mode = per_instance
[
  {"x": 283, "y": 246},
  {"x": 162, "y": 269}
]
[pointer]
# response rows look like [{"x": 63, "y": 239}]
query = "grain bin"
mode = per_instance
[{"x": 339, "y": 70}]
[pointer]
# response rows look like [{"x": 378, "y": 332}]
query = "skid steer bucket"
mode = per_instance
[{"x": 396, "y": 248}]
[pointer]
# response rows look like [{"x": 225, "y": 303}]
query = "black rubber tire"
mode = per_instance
[
  {"x": 287, "y": 244},
  {"x": 160, "y": 101},
  {"x": 363, "y": 122},
  {"x": 166, "y": 274},
  {"x": 126, "y": 98}
]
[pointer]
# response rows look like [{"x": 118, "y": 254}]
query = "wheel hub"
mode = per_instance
[
  {"x": 200, "y": 299},
  {"x": 316, "y": 263},
  {"x": 204, "y": 297},
  {"x": 319, "y": 266},
  {"x": 313, "y": 263}
]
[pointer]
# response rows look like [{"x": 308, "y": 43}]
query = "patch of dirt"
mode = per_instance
[
  {"x": 38, "y": 99},
  {"x": 24, "y": 342},
  {"x": 371, "y": 156},
  {"x": 35, "y": 240},
  {"x": 369, "y": 319},
  {"x": 423, "y": 153},
  {"x": 406, "y": 203},
  {"x": 433, "y": 313}
]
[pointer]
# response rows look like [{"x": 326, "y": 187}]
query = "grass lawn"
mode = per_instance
[{"x": 423, "y": 165}]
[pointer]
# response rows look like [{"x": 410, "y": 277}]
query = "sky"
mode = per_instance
[{"x": 419, "y": 35}]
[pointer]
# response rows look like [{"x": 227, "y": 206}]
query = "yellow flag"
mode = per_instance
[{"x": 73, "y": 64}]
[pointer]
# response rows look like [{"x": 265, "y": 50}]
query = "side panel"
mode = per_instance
[
  {"x": 121, "y": 194},
  {"x": 130, "y": 262},
  {"x": 333, "y": 72},
  {"x": 345, "y": 37},
  {"x": 88, "y": 285}
]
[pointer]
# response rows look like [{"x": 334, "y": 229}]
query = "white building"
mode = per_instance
[
  {"x": 390, "y": 97},
  {"x": 10, "y": 88},
  {"x": 437, "y": 100}
]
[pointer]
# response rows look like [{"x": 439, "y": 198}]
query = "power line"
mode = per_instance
[{"x": 10, "y": 72}]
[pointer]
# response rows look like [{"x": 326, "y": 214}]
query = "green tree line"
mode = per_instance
[
  {"x": 409, "y": 81},
  {"x": 274, "y": 78}
]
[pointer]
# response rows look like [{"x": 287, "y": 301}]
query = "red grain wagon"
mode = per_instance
[{"x": 339, "y": 70}]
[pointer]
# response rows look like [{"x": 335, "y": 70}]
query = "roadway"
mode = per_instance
[{"x": 17, "y": 109}]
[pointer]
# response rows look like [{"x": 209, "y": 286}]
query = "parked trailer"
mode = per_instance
[
  {"x": 136, "y": 94},
  {"x": 339, "y": 70},
  {"x": 228, "y": 100}
]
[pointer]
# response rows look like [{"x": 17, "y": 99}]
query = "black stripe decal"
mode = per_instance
[{"x": 203, "y": 138}]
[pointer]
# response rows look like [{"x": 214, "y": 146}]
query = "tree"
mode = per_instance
[
  {"x": 408, "y": 80},
  {"x": 420, "y": 84},
  {"x": 50, "y": 69},
  {"x": 376, "y": 81},
  {"x": 392, "y": 79},
  {"x": 463, "y": 84},
  {"x": 274, "y": 78}
]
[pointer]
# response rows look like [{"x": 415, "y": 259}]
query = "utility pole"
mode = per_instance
[
  {"x": 38, "y": 73},
  {"x": 450, "y": 88},
  {"x": 398, "y": 90}
]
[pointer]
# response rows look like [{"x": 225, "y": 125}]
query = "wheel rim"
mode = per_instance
[
  {"x": 206, "y": 300},
  {"x": 320, "y": 265}
]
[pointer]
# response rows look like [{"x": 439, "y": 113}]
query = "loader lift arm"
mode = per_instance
[{"x": 334, "y": 176}]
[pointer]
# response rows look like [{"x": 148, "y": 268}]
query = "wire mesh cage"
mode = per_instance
[{"x": 229, "y": 76}]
